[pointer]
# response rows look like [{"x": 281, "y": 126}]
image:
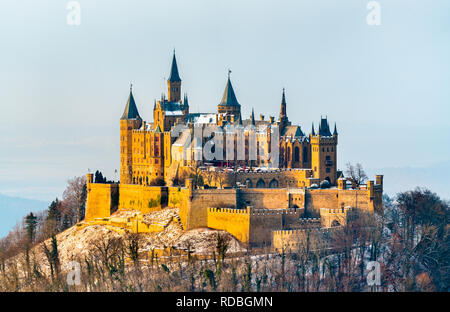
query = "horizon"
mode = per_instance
[{"x": 65, "y": 87}]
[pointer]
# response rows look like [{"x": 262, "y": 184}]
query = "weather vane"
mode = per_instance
[{"x": 229, "y": 72}]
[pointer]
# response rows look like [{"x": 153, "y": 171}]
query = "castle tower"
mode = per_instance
[
  {"x": 174, "y": 82},
  {"x": 229, "y": 104},
  {"x": 129, "y": 121},
  {"x": 324, "y": 153}
]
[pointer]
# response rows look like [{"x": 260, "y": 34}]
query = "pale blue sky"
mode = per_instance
[{"x": 63, "y": 88}]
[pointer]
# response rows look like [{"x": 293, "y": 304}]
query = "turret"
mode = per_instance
[
  {"x": 229, "y": 104},
  {"x": 324, "y": 153},
  {"x": 129, "y": 121}
]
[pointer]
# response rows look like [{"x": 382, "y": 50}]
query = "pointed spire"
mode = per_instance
[
  {"x": 229, "y": 98},
  {"x": 335, "y": 130},
  {"x": 185, "y": 100},
  {"x": 252, "y": 117},
  {"x": 130, "y": 111},
  {"x": 283, "y": 106},
  {"x": 312, "y": 130},
  {"x": 174, "y": 76}
]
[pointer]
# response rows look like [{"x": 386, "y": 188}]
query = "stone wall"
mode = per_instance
[
  {"x": 142, "y": 198},
  {"x": 264, "y": 198},
  {"x": 234, "y": 221},
  {"x": 204, "y": 199},
  {"x": 101, "y": 200}
]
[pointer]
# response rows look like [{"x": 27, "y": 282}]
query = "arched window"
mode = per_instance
[
  {"x": 305, "y": 154},
  {"x": 273, "y": 184},
  {"x": 260, "y": 184},
  {"x": 335, "y": 223},
  {"x": 249, "y": 183},
  {"x": 297, "y": 153}
]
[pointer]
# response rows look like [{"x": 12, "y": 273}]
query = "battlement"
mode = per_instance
[
  {"x": 343, "y": 210},
  {"x": 309, "y": 220},
  {"x": 270, "y": 171},
  {"x": 229, "y": 210},
  {"x": 272, "y": 212},
  {"x": 285, "y": 234}
]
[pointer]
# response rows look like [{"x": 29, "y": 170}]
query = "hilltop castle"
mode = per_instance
[{"x": 254, "y": 178}]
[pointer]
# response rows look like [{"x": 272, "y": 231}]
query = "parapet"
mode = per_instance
[
  {"x": 343, "y": 210},
  {"x": 272, "y": 212},
  {"x": 229, "y": 210}
]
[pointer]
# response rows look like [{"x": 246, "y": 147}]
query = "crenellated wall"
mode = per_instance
[
  {"x": 250, "y": 214},
  {"x": 300, "y": 240},
  {"x": 234, "y": 221}
]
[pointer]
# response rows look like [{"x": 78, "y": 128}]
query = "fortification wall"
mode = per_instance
[
  {"x": 331, "y": 217},
  {"x": 336, "y": 198},
  {"x": 204, "y": 199},
  {"x": 264, "y": 198},
  {"x": 267, "y": 179},
  {"x": 262, "y": 221},
  {"x": 179, "y": 197},
  {"x": 101, "y": 200},
  {"x": 234, "y": 221},
  {"x": 142, "y": 198},
  {"x": 300, "y": 240}
]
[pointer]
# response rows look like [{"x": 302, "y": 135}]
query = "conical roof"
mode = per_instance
[
  {"x": 229, "y": 98},
  {"x": 174, "y": 76},
  {"x": 130, "y": 111}
]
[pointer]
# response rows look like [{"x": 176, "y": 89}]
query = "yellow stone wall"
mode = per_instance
[
  {"x": 234, "y": 221},
  {"x": 141, "y": 197},
  {"x": 100, "y": 200}
]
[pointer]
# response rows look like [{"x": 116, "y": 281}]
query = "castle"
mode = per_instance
[{"x": 262, "y": 180}]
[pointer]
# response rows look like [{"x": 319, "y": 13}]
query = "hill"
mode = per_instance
[{"x": 13, "y": 209}]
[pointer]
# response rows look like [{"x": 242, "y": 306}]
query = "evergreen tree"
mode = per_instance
[{"x": 30, "y": 226}]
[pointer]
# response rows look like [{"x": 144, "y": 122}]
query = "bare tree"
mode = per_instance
[
  {"x": 75, "y": 196},
  {"x": 355, "y": 174}
]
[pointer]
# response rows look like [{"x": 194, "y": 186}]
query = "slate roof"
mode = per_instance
[
  {"x": 229, "y": 98},
  {"x": 130, "y": 111},
  {"x": 174, "y": 76}
]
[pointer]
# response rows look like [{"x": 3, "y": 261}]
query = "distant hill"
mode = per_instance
[
  {"x": 435, "y": 178},
  {"x": 13, "y": 209}
]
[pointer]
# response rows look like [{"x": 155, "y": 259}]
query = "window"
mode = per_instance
[
  {"x": 327, "y": 170},
  {"x": 297, "y": 154}
]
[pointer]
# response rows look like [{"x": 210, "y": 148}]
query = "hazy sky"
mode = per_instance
[{"x": 63, "y": 88}]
